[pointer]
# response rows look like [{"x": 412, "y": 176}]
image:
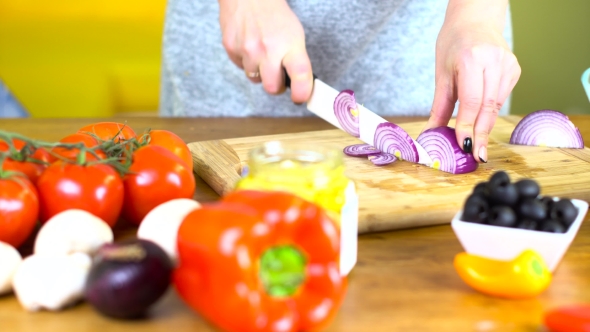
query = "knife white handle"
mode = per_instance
[{"x": 321, "y": 104}]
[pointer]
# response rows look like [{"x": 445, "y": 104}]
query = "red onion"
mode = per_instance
[
  {"x": 382, "y": 159},
  {"x": 441, "y": 145},
  {"x": 360, "y": 150},
  {"x": 127, "y": 277},
  {"x": 345, "y": 110},
  {"x": 547, "y": 128},
  {"x": 392, "y": 139}
]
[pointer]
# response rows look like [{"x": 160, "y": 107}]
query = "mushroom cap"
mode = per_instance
[
  {"x": 161, "y": 224},
  {"x": 10, "y": 259},
  {"x": 72, "y": 231},
  {"x": 51, "y": 282}
]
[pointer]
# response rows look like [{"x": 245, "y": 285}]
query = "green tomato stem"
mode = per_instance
[
  {"x": 118, "y": 155},
  {"x": 81, "y": 156},
  {"x": 4, "y": 174},
  {"x": 2, "y": 158}
]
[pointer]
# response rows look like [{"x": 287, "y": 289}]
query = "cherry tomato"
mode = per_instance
[
  {"x": 19, "y": 208},
  {"x": 109, "y": 130},
  {"x": 72, "y": 154},
  {"x": 173, "y": 143},
  {"x": 96, "y": 188},
  {"x": 156, "y": 176},
  {"x": 571, "y": 318},
  {"x": 30, "y": 168}
]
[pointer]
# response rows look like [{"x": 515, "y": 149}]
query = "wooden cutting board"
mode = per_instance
[{"x": 403, "y": 194}]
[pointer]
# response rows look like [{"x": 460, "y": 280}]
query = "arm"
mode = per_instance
[{"x": 475, "y": 66}]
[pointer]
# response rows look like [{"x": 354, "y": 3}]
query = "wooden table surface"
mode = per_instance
[{"x": 403, "y": 281}]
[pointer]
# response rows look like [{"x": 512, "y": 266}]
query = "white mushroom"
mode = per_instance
[
  {"x": 51, "y": 282},
  {"x": 72, "y": 231},
  {"x": 161, "y": 224},
  {"x": 10, "y": 259}
]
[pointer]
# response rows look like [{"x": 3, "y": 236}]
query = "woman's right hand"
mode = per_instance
[{"x": 263, "y": 36}]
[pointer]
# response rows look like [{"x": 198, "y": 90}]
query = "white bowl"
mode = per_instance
[{"x": 506, "y": 243}]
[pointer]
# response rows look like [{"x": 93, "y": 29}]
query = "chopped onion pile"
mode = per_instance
[
  {"x": 345, "y": 110},
  {"x": 360, "y": 150},
  {"x": 382, "y": 159},
  {"x": 441, "y": 145},
  {"x": 392, "y": 139},
  {"x": 377, "y": 157},
  {"x": 547, "y": 128}
]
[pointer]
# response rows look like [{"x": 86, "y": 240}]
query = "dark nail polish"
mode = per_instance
[
  {"x": 467, "y": 148},
  {"x": 483, "y": 161}
]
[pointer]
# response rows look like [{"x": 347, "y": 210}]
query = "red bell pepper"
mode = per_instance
[{"x": 260, "y": 261}]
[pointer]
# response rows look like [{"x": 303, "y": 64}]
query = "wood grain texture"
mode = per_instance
[
  {"x": 217, "y": 162},
  {"x": 404, "y": 280},
  {"x": 402, "y": 194}
]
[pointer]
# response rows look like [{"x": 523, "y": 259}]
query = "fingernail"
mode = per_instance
[
  {"x": 467, "y": 145},
  {"x": 483, "y": 154}
]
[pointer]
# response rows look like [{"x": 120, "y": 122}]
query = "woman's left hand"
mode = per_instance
[{"x": 475, "y": 66}]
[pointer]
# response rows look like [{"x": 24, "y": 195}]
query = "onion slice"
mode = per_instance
[
  {"x": 441, "y": 145},
  {"x": 360, "y": 150},
  {"x": 382, "y": 159},
  {"x": 346, "y": 112},
  {"x": 547, "y": 128},
  {"x": 391, "y": 138}
]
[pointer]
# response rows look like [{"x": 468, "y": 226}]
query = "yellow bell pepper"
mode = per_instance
[{"x": 525, "y": 276}]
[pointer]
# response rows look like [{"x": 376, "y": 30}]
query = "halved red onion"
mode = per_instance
[
  {"x": 382, "y": 159},
  {"x": 392, "y": 139},
  {"x": 547, "y": 128},
  {"x": 441, "y": 145},
  {"x": 360, "y": 150},
  {"x": 346, "y": 112}
]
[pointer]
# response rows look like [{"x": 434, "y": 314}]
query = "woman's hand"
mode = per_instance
[
  {"x": 261, "y": 37},
  {"x": 474, "y": 64}
]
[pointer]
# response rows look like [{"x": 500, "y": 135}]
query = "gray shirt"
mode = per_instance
[{"x": 384, "y": 50}]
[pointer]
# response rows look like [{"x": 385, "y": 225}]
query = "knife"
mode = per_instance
[{"x": 321, "y": 103}]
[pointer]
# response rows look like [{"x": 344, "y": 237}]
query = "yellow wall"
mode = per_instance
[
  {"x": 552, "y": 44},
  {"x": 82, "y": 58},
  {"x": 87, "y": 58}
]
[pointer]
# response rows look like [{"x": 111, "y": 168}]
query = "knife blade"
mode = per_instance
[{"x": 321, "y": 103}]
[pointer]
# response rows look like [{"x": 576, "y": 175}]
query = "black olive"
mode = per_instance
[
  {"x": 499, "y": 178},
  {"x": 475, "y": 209},
  {"x": 552, "y": 226},
  {"x": 527, "y": 188},
  {"x": 548, "y": 202},
  {"x": 531, "y": 209},
  {"x": 481, "y": 188},
  {"x": 503, "y": 194},
  {"x": 564, "y": 211},
  {"x": 527, "y": 224},
  {"x": 502, "y": 216}
]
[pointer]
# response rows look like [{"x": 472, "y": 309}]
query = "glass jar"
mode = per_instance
[{"x": 314, "y": 173}]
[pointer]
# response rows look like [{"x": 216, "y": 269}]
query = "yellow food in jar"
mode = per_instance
[{"x": 316, "y": 174}]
